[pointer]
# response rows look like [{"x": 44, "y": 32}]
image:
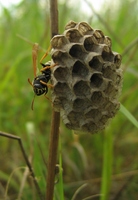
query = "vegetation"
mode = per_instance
[{"x": 104, "y": 163}]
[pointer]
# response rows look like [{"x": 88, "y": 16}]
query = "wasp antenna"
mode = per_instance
[
  {"x": 29, "y": 42},
  {"x": 25, "y": 39}
]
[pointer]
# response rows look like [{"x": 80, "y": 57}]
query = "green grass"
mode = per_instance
[{"x": 93, "y": 159}]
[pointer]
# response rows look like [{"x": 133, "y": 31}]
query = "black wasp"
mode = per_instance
[{"x": 40, "y": 83}]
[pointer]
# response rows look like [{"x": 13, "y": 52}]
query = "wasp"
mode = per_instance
[{"x": 40, "y": 83}]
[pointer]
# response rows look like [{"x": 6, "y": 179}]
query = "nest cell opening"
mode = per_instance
[
  {"x": 89, "y": 127},
  {"x": 70, "y": 24},
  {"x": 80, "y": 105},
  {"x": 79, "y": 69},
  {"x": 109, "y": 72},
  {"x": 107, "y": 55},
  {"x": 62, "y": 90},
  {"x": 96, "y": 80},
  {"x": 81, "y": 88},
  {"x": 60, "y": 57},
  {"x": 61, "y": 74},
  {"x": 111, "y": 90},
  {"x": 99, "y": 36},
  {"x": 74, "y": 116},
  {"x": 77, "y": 51},
  {"x": 107, "y": 41},
  {"x": 73, "y": 35},
  {"x": 84, "y": 28},
  {"x": 96, "y": 63},
  {"x": 93, "y": 113},
  {"x": 59, "y": 41},
  {"x": 91, "y": 44},
  {"x": 97, "y": 98},
  {"x": 117, "y": 60}
]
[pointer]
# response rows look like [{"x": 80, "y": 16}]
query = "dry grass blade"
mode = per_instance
[
  {"x": 78, "y": 190},
  {"x": 26, "y": 160}
]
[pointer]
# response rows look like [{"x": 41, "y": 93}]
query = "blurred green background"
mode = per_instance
[{"x": 84, "y": 156}]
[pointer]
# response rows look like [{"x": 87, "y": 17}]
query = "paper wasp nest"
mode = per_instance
[{"x": 87, "y": 80}]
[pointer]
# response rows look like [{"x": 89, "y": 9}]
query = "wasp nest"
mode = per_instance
[{"x": 87, "y": 79}]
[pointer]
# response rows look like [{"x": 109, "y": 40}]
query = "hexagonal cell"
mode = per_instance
[
  {"x": 109, "y": 71},
  {"x": 111, "y": 107},
  {"x": 96, "y": 80},
  {"x": 91, "y": 44},
  {"x": 80, "y": 104},
  {"x": 97, "y": 98},
  {"x": 81, "y": 89},
  {"x": 90, "y": 56},
  {"x": 61, "y": 74},
  {"x": 59, "y": 41},
  {"x": 99, "y": 36},
  {"x": 79, "y": 69},
  {"x": 77, "y": 51},
  {"x": 74, "y": 116},
  {"x": 104, "y": 119},
  {"x": 70, "y": 24},
  {"x": 107, "y": 41},
  {"x": 60, "y": 57},
  {"x": 62, "y": 89},
  {"x": 90, "y": 127},
  {"x": 84, "y": 28},
  {"x": 117, "y": 59},
  {"x": 66, "y": 104},
  {"x": 111, "y": 90},
  {"x": 73, "y": 35},
  {"x": 107, "y": 54},
  {"x": 93, "y": 113},
  {"x": 68, "y": 121},
  {"x": 56, "y": 102},
  {"x": 118, "y": 79},
  {"x": 96, "y": 63}
]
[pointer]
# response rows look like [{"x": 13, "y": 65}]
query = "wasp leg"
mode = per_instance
[
  {"x": 30, "y": 82},
  {"x": 32, "y": 104},
  {"x": 47, "y": 84},
  {"x": 34, "y": 57},
  {"x": 45, "y": 55},
  {"x": 48, "y": 67},
  {"x": 48, "y": 99}
]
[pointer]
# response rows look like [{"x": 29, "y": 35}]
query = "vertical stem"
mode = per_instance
[
  {"x": 53, "y": 147},
  {"x": 54, "y": 17},
  {"x": 107, "y": 165},
  {"x": 54, "y": 134}
]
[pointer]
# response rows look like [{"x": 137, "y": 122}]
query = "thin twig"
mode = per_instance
[
  {"x": 14, "y": 137},
  {"x": 54, "y": 134},
  {"x": 53, "y": 146}
]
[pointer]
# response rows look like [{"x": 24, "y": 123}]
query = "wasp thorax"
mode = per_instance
[{"x": 87, "y": 80}]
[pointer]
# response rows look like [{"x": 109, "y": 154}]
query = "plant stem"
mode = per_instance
[
  {"x": 54, "y": 17},
  {"x": 53, "y": 147},
  {"x": 54, "y": 134}
]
